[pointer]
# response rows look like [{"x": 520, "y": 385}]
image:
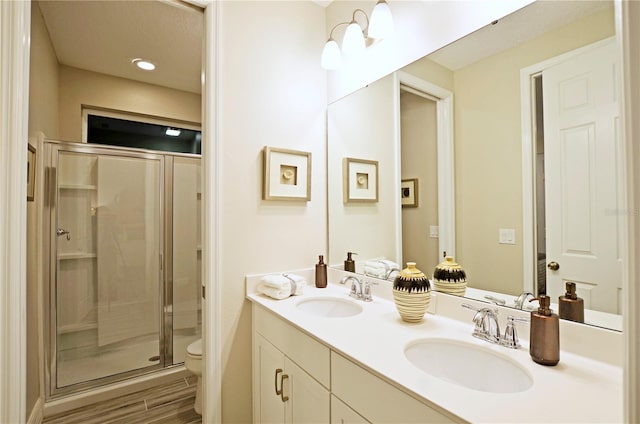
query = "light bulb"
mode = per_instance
[
  {"x": 353, "y": 42},
  {"x": 144, "y": 64},
  {"x": 331, "y": 56},
  {"x": 381, "y": 25}
]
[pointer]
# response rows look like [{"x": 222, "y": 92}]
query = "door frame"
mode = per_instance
[
  {"x": 528, "y": 134},
  {"x": 15, "y": 20}
]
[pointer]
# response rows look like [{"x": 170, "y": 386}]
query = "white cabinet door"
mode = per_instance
[
  {"x": 342, "y": 414},
  {"x": 269, "y": 361},
  {"x": 308, "y": 401},
  {"x": 302, "y": 399}
]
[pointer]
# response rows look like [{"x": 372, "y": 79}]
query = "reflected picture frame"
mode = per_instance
[
  {"x": 286, "y": 174},
  {"x": 31, "y": 173},
  {"x": 409, "y": 193},
  {"x": 360, "y": 180}
]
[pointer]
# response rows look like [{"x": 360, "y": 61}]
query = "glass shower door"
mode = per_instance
[{"x": 108, "y": 244}]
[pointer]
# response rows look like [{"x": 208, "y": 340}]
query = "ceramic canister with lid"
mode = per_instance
[{"x": 411, "y": 293}]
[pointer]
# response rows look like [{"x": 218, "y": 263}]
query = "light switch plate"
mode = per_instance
[
  {"x": 507, "y": 236},
  {"x": 434, "y": 231}
]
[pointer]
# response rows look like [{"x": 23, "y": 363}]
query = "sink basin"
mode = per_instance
[
  {"x": 329, "y": 307},
  {"x": 468, "y": 365}
]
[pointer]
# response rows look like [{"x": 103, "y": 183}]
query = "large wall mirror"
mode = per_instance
[{"x": 534, "y": 194}]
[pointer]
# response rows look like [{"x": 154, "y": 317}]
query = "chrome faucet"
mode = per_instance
[
  {"x": 486, "y": 324},
  {"x": 358, "y": 291},
  {"x": 510, "y": 338},
  {"x": 522, "y": 300}
]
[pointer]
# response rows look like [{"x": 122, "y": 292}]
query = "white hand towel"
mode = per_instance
[
  {"x": 278, "y": 286},
  {"x": 384, "y": 264}
]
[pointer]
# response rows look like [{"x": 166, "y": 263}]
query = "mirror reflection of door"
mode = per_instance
[
  {"x": 579, "y": 207},
  {"x": 418, "y": 135}
]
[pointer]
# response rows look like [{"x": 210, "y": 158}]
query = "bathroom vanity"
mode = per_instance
[{"x": 326, "y": 357}]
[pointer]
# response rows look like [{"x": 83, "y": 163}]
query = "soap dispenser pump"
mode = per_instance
[
  {"x": 349, "y": 263},
  {"x": 321, "y": 273},
  {"x": 544, "y": 337},
  {"x": 570, "y": 306}
]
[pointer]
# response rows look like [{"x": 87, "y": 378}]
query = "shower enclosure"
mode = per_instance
[{"x": 123, "y": 229}]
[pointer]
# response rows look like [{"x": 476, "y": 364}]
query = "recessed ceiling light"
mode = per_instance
[
  {"x": 144, "y": 64},
  {"x": 172, "y": 132}
]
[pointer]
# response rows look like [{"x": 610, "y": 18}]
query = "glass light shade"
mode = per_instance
[
  {"x": 331, "y": 56},
  {"x": 381, "y": 25},
  {"x": 353, "y": 42}
]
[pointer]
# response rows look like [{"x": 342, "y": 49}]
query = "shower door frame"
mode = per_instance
[{"x": 52, "y": 149}]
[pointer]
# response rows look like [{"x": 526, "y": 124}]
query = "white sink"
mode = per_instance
[
  {"x": 329, "y": 307},
  {"x": 468, "y": 365}
]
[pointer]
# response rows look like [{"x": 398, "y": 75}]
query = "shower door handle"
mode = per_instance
[{"x": 62, "y": 232}]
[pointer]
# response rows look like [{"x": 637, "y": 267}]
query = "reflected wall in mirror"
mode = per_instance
[{"x": 495, "y": 158}]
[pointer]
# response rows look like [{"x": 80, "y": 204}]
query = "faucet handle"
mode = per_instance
[
  {"x": 496, "y": 300},
  {"x": 510, "y": 338}
]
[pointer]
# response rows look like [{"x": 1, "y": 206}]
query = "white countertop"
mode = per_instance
[{"x": 577, "y": 390}]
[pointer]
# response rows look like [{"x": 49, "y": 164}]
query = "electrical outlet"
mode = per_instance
[
  {"x": 507, "y": 236},
  {"x": 434, "y": 231}
]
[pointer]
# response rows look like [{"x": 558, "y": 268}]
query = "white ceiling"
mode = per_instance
[
  {"x": 104, "y": 36},
  {"x": 523, "y": 25}
]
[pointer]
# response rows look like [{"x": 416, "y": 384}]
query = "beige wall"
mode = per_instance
[
  {"x": 371, "y": 226},
  {"x": 488, "y": 152},
  {"x": 418, "y": 124},
  {"x": 43, "y": 117},
  {"x": 272, "y": 93},
  {"x": 79, "y": 87}
]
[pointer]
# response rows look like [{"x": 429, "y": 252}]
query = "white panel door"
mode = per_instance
[{"x": 581, "y": 131}]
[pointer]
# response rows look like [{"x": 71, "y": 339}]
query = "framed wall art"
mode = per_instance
[
  {"x": 360, "y": 180},
  {"x": 409, "y": 193},
  {"x": 31, "y": 173},
  {"x": 287, "y": 174}
]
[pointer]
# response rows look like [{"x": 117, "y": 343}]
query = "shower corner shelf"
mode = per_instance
[{"x": 76, "y": 255}]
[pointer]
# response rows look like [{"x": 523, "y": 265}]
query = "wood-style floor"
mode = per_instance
[{"x": 168, "y": 404}]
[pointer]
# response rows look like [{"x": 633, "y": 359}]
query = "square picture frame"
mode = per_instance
[
  {"x": 360, "y": 180},
  {"x": 409, "y": 193},
  {"x": 286, "y": 174},
  {"x": 31, "y": 173}
]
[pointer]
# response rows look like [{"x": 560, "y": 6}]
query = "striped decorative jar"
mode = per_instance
[
  {"x": 411, "y": 293},
  {"x": 449, "y": 277}
]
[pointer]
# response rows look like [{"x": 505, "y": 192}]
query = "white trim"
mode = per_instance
[
  {"x": 37, "y": 413},
  {"x": 15, "y": 19},
  {"x": 211, "y": 161},
  {"x": 527, "y": 109},
  {"x": 446, "y": 170},
  {"x": 627, "y": 16}
]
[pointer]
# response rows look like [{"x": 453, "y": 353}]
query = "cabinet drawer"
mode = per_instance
[
  {"x": 375, "y": 399},
  {"x": 308, "y": 353},
  {"x": 342, "y": 414}
]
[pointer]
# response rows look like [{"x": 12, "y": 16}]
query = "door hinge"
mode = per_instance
[{"x": 203, "y": 293}]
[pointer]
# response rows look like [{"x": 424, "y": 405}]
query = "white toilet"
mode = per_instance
[{"x": 193, "y": 363}]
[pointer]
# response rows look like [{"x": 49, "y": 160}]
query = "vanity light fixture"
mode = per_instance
[
  {"x": 172, "y": 132},
  {"x": 143, "y": 64},
  {"x": 355, "y": 37}
]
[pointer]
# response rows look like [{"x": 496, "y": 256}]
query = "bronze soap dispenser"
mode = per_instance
[
  {"x": 570, "y": 306},
  {"x": 544, "y": 340}
]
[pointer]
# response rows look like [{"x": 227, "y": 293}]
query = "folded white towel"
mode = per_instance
[
  {"x": 375, "y": 272},
  {"x": 384, "y": 264},
  {"x": 381, "y": 273},
  {"x": 279, "y": 286}
]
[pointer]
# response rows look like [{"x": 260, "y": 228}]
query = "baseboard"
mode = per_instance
[{"x": 37, "y": 413}]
